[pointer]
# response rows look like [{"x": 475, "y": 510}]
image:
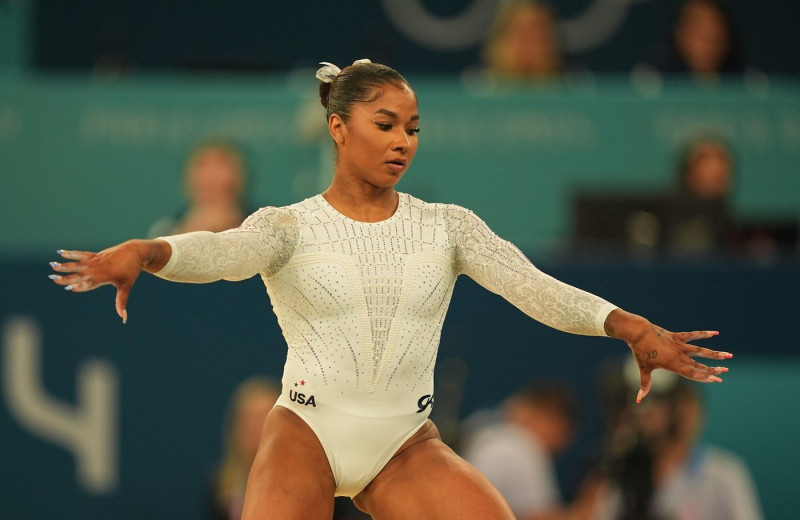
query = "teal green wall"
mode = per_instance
[
  {"x": 15, "y": 35},
  {"x": 86, "y": 163},
  {"x": 745, "y": 417}
]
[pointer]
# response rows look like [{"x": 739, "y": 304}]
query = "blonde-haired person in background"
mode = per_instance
[
  {"x": 250, "y": 403},
  {"x": 523, "y": 43},
  {"x": 214, "y": 183}
]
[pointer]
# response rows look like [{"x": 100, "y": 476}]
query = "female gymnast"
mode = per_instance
[{"x": 360, "y": 278}]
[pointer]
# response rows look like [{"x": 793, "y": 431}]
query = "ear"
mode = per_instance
[{"x": 337, "y": 128}]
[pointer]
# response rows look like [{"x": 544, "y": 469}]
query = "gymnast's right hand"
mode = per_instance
[{"x": 119, "y": 266}]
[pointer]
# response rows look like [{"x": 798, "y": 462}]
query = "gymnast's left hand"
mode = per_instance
[{"x": 654, "y": 347}]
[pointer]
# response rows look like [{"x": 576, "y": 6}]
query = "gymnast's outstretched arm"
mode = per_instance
[
  {"x": 262, "y": 244},
  {"x": 500, "y": 267}
]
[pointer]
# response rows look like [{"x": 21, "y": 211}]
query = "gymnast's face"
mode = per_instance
[{"x": 378, "y": 143}]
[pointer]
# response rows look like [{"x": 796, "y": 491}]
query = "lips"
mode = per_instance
[{"x": 396, "y": 165}]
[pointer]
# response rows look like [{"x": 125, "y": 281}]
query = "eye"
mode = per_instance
[
  {"x": 384, "y": 126},
  {"x": 412, "y": 131}
]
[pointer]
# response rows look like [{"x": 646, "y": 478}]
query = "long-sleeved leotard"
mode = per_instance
[{"x": 361, "y": 306}]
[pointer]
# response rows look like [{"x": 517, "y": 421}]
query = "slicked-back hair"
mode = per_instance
[{"x": 357, "y": 84}]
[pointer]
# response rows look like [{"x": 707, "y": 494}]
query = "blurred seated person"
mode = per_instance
[
  {"x": 523, "y": 44},
  {"x": 516, "y": 448},
  {"x": 703, "y": 44},
  {"x": 214, "y": 184},
  {"x": 659, "y": 469},
  {"x": 251, "y": 402},
  {"x": 698, "y": 218},
  {"x": 693, "y": 218},
  {"x": 707, "y": 179},
  {"x": 706, "y": 169}
]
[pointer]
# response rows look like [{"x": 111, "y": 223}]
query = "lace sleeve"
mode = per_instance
[
  {"x": 262, "y": 244},
  {"x": 500, "y": 267}
]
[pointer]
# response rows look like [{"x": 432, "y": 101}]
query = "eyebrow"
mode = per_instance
[{"x": 393, "y": 115}]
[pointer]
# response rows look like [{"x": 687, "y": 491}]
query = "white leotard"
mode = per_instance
[{"x": 361, "y": 306}]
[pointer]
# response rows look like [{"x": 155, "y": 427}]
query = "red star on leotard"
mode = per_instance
[{"x": 302, "y": 382}]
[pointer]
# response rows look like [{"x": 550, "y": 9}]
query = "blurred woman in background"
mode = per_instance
[
  {"x": 214, "y": 181},
  {"x": 251, "y": 402},
  {"x": 524, "y": 43},
  {"x": 703, "y": 44}
]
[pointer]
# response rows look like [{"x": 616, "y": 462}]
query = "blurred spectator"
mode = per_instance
[
  {"x": 516, "y": 450},
  {"x": 215, "y": 178},
  {"x": 523, "y": 43},
  {"x": 657, "y": 465},
  {"x": 251, "y": 402},
  {"x": 706, "y": 169},
  {"x": 697, "y": 219},
  {"x": 691, "y": 219},
  {"x": 703, "y": 43}
]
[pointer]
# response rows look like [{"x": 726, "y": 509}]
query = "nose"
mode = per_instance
[{"x": 401, "y": 141}]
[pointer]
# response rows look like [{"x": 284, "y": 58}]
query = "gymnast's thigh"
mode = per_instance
[
  {"x": 290, "y": 477},
  {"x": 428, "y": 480}
]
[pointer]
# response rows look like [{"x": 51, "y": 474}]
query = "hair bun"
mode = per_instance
[
  {"x": 324, "y": 93},
  {"x": 328, "y": 72}
]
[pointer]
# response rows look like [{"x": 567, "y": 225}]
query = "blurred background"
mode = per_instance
[{"x": 644, "y": 150}]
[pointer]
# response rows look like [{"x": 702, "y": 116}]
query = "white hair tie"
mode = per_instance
[{"x": 328, "y": 72}]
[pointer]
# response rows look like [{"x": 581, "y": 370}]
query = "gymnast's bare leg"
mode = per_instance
[
  {"x": 291, "y": 478},
  {"x": 427, "y": 480}
]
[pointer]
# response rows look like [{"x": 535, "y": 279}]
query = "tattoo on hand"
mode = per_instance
[{"x": 652, "y": 355}]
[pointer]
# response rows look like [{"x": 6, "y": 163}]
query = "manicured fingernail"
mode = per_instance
[
  {"x": 727, "y": 355},
  {"x": 54, "y": 277},
  {"x": 60, "y": 252},
  {"x": 715, "y": 332},
  {"x": 639, "y": 397},
  {"x": 715, "y": 379},
  {"x": 68, "y": 288},
  {"x": 723, "y": 369},
  {"x": 124, "y": 316},
  {"x": 54, "y": 264}
]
